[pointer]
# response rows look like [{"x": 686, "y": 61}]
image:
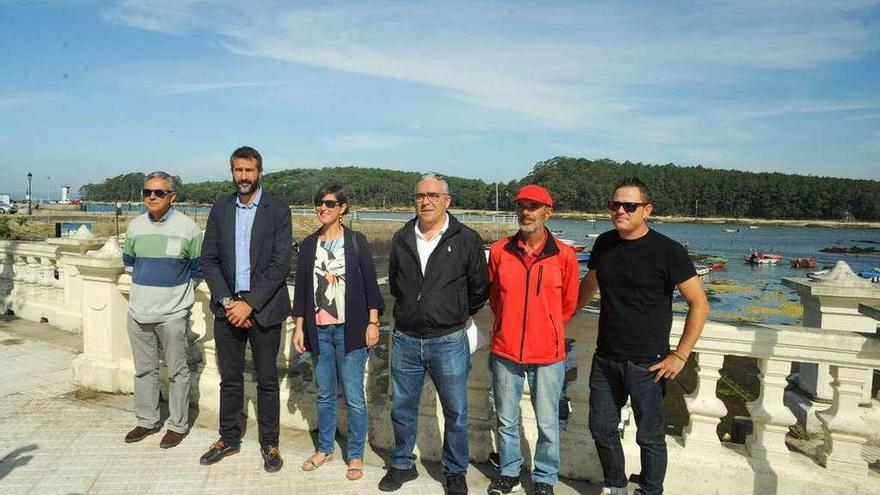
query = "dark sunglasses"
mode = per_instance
[
  {"x": 627, "y": 206},
  {"x": 159, "y": 193},
  {"x": 329, "y": 203}
]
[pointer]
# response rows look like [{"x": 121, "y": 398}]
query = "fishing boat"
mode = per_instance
[
  {"x": 702, "y": 270},
  {"x": 716, "y": 263},
  {"x": 557, "y": 233},
  {"x": 872, "y": 275},
  {"x": 761, "y": 258},
  {"x": 803, "y": 262},
  {"x": 578, "y": 247}
]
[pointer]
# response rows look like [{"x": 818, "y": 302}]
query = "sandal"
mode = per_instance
[
  {"x": 313, "y": 462},
  {"x": 354, "y": 473}
]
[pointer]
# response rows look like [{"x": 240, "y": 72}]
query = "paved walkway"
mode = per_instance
[{"x": 58, "y": 439}]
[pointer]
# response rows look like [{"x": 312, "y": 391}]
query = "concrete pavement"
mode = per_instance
[{"x": 58, "y": 439}]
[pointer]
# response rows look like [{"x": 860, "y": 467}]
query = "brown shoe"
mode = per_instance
[
  {"x": 171, "y": 439},
  {"x": 139, "y": 433}
]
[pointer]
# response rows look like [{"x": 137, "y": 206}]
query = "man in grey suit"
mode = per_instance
[{"x": 245, "y": 260}]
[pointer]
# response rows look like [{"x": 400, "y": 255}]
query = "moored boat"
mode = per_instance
[
  {"x": 872, "y": 275},
  {"x": 702, "y": 270},
  {"x": 716, "y": 263},
  {"x": 803, "y": 263},
  {"x": 578, "y": 247},
  {"x": 762, "y": 258}
]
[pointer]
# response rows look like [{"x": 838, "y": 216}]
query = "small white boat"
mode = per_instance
[
  {"x": 754, "y": 227},
  {"x": 731, "y": 231},
  {"x": 592, "y": 235},
  {"x": 702, "y": 270},
  {"x": 557, "y": 233}
]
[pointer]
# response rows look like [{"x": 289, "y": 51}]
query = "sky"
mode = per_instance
[{"x": 92, "y": 89}]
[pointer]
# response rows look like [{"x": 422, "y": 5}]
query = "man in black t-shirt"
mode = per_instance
[{"x": 637, "y": 269}]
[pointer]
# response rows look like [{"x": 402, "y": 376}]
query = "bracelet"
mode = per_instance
[
  {"x": 676, "y": 354},
  {"x": 373, "y": 323}
]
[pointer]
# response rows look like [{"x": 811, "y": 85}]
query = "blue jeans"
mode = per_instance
[
  {"x": 333, "y": 365},
  {"x": 611, "y": 381},
  {"x": 545, "y": 385},
  {"x": 446, "y": 360}
]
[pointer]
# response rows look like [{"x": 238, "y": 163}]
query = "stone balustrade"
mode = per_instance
[{"x": 37, "y": 280}]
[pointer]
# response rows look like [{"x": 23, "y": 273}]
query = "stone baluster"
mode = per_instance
[
  {"x": 6, "y": 274},
  {"x": 704, "y": 406},
  {"x": 481, "y": 414},
  {"x": 832, "y": 303},
  {"x": 46, "y": 285},
  {"x": 31, "y": 278},
  {"x": 104, "y": 314},
  {"x": 843, "y": 426},
  {"x": 18, "y": 294},
  {"x": 770, "y": 417}
]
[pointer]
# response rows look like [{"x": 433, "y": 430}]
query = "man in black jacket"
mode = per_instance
[
  {"x": 439, "y": 279},
  {"x": 245, "y": 259}
]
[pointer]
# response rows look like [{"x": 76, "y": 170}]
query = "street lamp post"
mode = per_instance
[{"x": 30, "y": 176}]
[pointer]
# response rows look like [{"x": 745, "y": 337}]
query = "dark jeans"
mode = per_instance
[
  {"x": 611, "y": 381},
  {"x": 447, "y": 361},
  {"x": 230, "y": 342}
]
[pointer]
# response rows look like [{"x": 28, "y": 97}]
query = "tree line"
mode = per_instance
[{"x": 577, "y": 184}]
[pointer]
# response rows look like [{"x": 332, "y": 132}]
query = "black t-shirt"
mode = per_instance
[{"x": 636, "y": 281}]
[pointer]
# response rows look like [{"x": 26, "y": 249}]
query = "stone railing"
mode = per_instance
[
  {"x": 32, "y": 284},
  {"x": 39, "y": 283}
]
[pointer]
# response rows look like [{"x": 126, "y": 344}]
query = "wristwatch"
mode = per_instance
[
  {"x": 226, "y": 301},
  {"x": 373, "y": 323}
]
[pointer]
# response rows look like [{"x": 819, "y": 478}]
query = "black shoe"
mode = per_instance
[
  {"x": 218, "y": 451},
  {"x": 503, "y": 485},
  {"x": 543, "y": 489},
  {"x": 272, "y": 460},
  {"x": 456, "y": 484},
  {"x": 139, "y": 433},
  {"x": 395, "y": 478}
]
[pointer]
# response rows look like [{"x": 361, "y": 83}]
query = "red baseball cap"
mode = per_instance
[{"x": 534, "y": 193}]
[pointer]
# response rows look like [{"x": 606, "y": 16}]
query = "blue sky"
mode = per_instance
[{"x": 477, "y": 89}]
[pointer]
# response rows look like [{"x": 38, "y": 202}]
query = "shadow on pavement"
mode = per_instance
[{"x": 15, "y": 459}]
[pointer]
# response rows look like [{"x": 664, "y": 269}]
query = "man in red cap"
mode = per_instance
[{"x": 533, "y": 292}]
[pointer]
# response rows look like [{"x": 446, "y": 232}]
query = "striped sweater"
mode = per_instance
[{"x": 164, "y": 257}]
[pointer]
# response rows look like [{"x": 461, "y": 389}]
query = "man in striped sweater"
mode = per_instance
[{"x": 162, "y": 249}]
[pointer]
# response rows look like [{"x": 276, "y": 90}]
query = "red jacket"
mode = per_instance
[{"x": 532, "y": 306}]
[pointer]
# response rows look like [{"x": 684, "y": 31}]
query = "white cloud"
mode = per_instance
[{"x": 656, "y": 74}]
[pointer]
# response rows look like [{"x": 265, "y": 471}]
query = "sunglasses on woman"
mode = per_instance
[
  {"x": 329, "y": 203},
  {"x": 627, "y": 206},
  {"x": 159, "y": 193}
]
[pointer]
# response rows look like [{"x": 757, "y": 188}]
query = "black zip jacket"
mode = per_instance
[{"x": 455, "y": 285}]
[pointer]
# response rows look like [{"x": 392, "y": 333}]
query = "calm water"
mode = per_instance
[{"x": 764, "y": 282}]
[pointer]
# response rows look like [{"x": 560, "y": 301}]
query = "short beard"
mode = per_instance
[
  {"x": 250, "y": 187},
  {"x": 529, "y": 229}
]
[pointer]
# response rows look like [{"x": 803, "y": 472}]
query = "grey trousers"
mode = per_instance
[{"x": 148, "y": 340}]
